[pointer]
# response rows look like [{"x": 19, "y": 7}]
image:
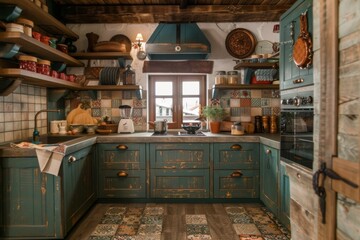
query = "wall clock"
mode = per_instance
[{"x": 240, "y": 43}]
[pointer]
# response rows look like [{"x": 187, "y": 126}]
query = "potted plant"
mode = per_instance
[{"x": 215, "y": 114}]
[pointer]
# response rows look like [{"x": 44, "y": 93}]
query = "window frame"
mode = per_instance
[{"x": 177, "y": 95}]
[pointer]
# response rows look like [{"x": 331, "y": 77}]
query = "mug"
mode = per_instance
[
  {"x": 62, "y": 129},
  {"x": 54, "y": 127}
]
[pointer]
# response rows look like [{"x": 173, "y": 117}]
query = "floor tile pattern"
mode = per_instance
[
  {"x": 130, "y": 223},
  {"x": 256, "y": 223},
  {"x": 197, "y": 227}
]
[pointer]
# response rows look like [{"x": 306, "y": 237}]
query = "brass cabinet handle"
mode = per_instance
[
  {"x": 169, "y": 167},
  {"x": 236, "y": 174},
  {"x": 122, "y": 147},
  {"x": 268, "y": 151},
  {"x": 236, "y": 147},
  {"x": 122, "y": 174},
  {"x": 299, "y": 80},
  {"x": 71, "y": 159}
]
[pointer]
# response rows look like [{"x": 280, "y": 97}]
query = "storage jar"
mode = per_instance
[
  {"x": 232, "y": 77},
  {"x": 129, "y": 76},
  {"x": 27, "y": 25},
  {"x": 45, "y": 39},
  {"x": 62, "y": 47},
  {"x": 237, "y": 129},
  {"x": 43, "y": 67},
  {"x": 28, "y": 63},
  {"x": 14, "y": 27},
  {"x": 220, "y": 78}
]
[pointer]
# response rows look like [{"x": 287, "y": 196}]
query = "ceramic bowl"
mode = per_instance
[
  {"x": 191, "y": 129},
  {"x": 90, "y": 128},
  {"x": 76, "y": 128}
]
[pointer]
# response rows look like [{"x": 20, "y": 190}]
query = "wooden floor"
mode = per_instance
[{"x": 174, "y": 227}]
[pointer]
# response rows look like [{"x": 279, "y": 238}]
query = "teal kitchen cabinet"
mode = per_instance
[
  {"x": 236, "y": 170},
  {"x": 290, "y": 75},
  {"x": 284, "y": 205},
  {"x": 179, "y": 170},
  {"x": 122, "y": 171},
  {"x": 37, "y": 205},
  {"x": 269, "y": 171}
]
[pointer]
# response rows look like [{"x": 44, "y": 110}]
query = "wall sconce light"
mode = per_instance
[{"x": 139, "y": 38}]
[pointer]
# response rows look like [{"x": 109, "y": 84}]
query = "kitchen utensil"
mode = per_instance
[
  {"x": 191, "y": 128},
  {"x": 122, "y": 39},
  {"x": 126, "y": 124},
  {"x": 302, "y": 50},
  {"x": 160, "y": 127}
]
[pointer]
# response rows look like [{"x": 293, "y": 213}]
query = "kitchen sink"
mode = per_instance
[
  {"x": 53, "y": 139},
  {"x": 180, "y": 133}
]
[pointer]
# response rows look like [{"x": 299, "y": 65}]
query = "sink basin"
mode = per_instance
[{"x": 53, "y": 139}]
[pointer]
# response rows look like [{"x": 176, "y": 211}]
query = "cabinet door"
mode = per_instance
[
  {"x": 28, "y": 200},
  {"x": 236, "y": 156},
  {"x": 79, "y": 185},
  {"x": 178, "y": 183},
  {"x": 289, "y": 72},
  {"x": 179, "y": 156},
  {"x": 236, "y": 184},
  {"x": 284, "y": 206},
  {"x": 269, "y": 177},
  {"x": 121, "y": 156}
]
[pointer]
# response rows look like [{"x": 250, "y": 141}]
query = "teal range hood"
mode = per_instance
[{"x": 178, "y": 41}]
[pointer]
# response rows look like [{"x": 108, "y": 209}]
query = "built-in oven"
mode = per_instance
[{"x": 296, "y": 127}]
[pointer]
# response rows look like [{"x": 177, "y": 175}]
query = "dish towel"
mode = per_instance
[{"x": 49, "y": 156}]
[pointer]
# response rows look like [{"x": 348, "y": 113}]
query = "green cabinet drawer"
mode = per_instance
[
  {"x": 179, "y": 156},
  {"x": 174, "y": 183},
  {"x": 236, "y": 156},
  {"x": 284, "y": 208},
  {"x": 122, "y": 156},
  {"x": 269, "y": 170},
  {"x": 122, "y": 184},
  {"x": 236, "y": 184}
]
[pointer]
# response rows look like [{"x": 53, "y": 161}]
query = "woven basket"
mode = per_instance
[{"x": 110, "y": 126}]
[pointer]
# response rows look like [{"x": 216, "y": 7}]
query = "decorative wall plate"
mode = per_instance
[
  {"x": 264, "y": 47},
  {"x": 240, "y": 43}
]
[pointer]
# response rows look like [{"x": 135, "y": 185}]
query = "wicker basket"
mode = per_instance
[{"x": 110, "y": 126}]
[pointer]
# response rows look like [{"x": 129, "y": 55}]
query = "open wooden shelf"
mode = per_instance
[
  {"x": 257, "y": 65},
  {"x": 102, "y": 55},
  {"x": 246, "y": 86},
  {"x": 37, "y": 48},
  {"x": 42, "y": 19},
  {"x": 113, "y": 87}
]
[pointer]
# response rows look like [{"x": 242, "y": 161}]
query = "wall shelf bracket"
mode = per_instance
[{"x": 8, "y": 85}]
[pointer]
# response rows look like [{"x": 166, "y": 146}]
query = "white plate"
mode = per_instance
[{"x": 264, "y": 47}]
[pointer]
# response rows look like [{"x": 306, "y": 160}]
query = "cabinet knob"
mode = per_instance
[
  {"x": 268, "y": 151},
  {"x": 122, "y": 147},
  {"x": 236, "y": 147},
  {"x": 296, "y": 81},
  {"x": 71, "y": 159},
  {"x": 122, "y": 174},
  {"x": 236, "y": 174}
]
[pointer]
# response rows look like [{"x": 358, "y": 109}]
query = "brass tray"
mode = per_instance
[{"x": 240, "y": 43}]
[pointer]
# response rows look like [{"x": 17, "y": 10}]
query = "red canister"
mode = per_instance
[
  {"x": 63, "y": 76},
  {"x": 28, "y": 63},
  {"x": 43, "y": 67},
  {"x": 45, "y": 39},
  {"x": 54, "y": 74}
]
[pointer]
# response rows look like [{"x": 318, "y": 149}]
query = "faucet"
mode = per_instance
[{"x": 36, "y": 134}]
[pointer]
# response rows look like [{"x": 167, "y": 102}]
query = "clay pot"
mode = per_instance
[
  {"x": 215, "y": 127},
  {"x": 92, "y": 41}
]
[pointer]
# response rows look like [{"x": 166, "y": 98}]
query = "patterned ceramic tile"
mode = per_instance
[
  {"x": 115, "y": 103},
  {"x": 235, "y": 94},
  {"x": 275, "y": 102},
  {"x": 131, "y": 219},
  {"x": 195, "y": 219},
  {"x": 134, "y": 211},
  {"x": 100, "y": 238},
  {"x": 261, "y": 219},
  {"x": 197, "y": 229},
  {"x": 276, "y": 111},
  {"x": 105, "y": 230},
  {"x": 116, "y": 94},
  {"x": 225, "y": 102},
  {"x": 105, "y": 112},
  {"x": 154, "y": 211},
  {"x": 240, "y": 218},
  {"x": 235, "y": 111},
  {"x": 148, "y": 237},
  {"x": 106, "y": 103},
  {"x": 115, "y": 112},
  {"x": 116, "y": 211},
  {"x": 245, "y": 102},
  {"x": 137, "y": 112},
  {"x": 235, "y": 210},
  {"x": 256, "y": 111},
  {"x": 255, "y": 210},
  {"x": 275, "y": 237},
  {"x": 250, "y": 237},
  {"x": 128, "y": 94},
  {"x": 266, "y": 93},
  {"x": 129, "y": 102},
  {"x": 152, "y": 219},
  {"x": 246, "y": 228},
  {"x": 139, "y": 103},
  {"x": 145, "y": 229},
  {"x": 96, "y": 103},
  {"x": 96, "y": 112},
  {"x": 215, "y": 102},
  {"x": 256, "y": 102},
  {"x": 256, "y": 93},
  {"x": 265, "y": 102},
  {"x": 235, "y": 119},
  {"x": 111, "y": 219},
  {"x": 266, "y": 111},
  {"x": 199, "y": 237},
  {"x": 269, "y": 229},
  {"x": 127, "y": 230},
  {"x": 234, "y": 103}
]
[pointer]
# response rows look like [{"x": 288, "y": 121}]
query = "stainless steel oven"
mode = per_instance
[{"x": 296, "y": 128}]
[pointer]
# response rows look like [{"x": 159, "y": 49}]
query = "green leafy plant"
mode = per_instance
[{"x": 214, "y": 113}]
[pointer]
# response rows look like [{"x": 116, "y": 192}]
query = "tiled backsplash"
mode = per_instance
[{"x": 17, "y": 113}]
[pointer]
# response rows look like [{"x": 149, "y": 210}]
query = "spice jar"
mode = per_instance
[
  {"x": 45, "y": 39},
  {"x": 258, "y": 124},
  {"x": 273, "y": 124},
  {"x": 265, "y": 123},
  {"x": 28, "y": 63},
  {"x": 237, "y": 129},
  {"x": 43, "y": 67},
  {"x": 27, "y": 25},
  {"x": 62, "y": 47},
  {"x": 220, "y": 77},
  {"x": 232, "y": 77}
]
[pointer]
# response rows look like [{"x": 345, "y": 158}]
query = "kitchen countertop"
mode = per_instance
[{"x": 84, "y": 140}]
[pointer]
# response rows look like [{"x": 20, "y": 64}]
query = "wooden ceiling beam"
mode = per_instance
[{"x": 171, "y": 13}]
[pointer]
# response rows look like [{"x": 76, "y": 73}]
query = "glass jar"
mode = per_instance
[
  {"x": 27, "y": 24},
  {"x": 43, "y": 67},
  {"x": 129, "y": 76},
  {"x": 220, "y": 78},
  {"x": 258, "y": 124},
  {"x": 28, "y": 63},
  {"x": 237, "y": 129},
  {"x": 232, "y": 77}
]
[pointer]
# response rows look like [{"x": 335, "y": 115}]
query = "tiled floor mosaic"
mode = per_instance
[
  {"x": 123, "y": 223},
  {"x": 197, "y": 227},
  {"x": 256, "y": 223}
]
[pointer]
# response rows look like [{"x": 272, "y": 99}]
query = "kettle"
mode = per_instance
[{"x": 160, "y": 127}]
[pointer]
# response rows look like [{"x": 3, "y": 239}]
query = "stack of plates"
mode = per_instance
[{"x": 110, "y": 76}]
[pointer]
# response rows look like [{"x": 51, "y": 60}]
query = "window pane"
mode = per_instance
[
  {"x": 164, "y": 109},
  {"x": 190, "y": 109},
  {"x": 163, "y": 88},
  {"x": 191, "y": 88}
]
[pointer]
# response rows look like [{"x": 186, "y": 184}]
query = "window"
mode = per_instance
[{"x": 177, "y": 99}]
